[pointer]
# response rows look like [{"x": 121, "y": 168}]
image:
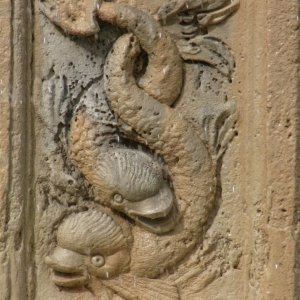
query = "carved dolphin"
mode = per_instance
[
  {"x": 93, "y": 243},
  {"x": 145, "y": 108},
  {"x": 162, "y": 128},
  {"x": 89, "y": 243},
  {"x": 170, "y": 135},
  {"x": 128, "y": 180}
]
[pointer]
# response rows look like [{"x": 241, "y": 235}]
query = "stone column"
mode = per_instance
[{"x": 17, "y": 208}]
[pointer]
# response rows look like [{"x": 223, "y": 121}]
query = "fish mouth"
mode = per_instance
[
  {"x": 159, "y": 225},
  {"x": 69, "y": 280},
  {"x": 158, "y": 213},
  {"x": 68, "y": 268}
]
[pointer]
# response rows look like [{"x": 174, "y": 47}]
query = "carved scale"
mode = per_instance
[{"x": 168, "y": 201}]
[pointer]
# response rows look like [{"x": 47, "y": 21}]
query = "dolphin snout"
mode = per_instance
[{"x": 68, "y": 268}]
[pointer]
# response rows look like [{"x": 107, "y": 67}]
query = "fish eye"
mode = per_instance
[
  {"x": 118, "y": 198},
  {"x": 98, "y": 261}
]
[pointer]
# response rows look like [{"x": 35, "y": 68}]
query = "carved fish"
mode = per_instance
[
  {"x": 121, "y": 174},
  {"x": 127, "y": 180},
  {"x": 164, "y": 130},
  {"x": 93, "y": 243},
  {"x": 89, "y": 243},
  {"x": 144, "y": 107},
  {"x": 170, "y": 135}
]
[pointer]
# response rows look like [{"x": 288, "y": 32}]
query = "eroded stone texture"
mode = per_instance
[
  {"x": 5, "y": 111},
  {"x": 16, "y": 237},
  {"x": 76, "y": 17},
  {"x": 164, "y": 151},
  {"x": 5, "y": 65}
]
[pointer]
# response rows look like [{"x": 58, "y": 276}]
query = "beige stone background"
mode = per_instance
[{"x": 260, "y": 208}]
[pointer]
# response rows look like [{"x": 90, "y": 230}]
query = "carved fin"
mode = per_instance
[
  {"x": 187, "y": 19},
  {"x": 209, "y": 50},
  {"x": 177, "y": 6},
  {"x": 132, "y": 288}
]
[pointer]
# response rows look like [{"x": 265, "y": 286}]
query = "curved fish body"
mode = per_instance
[
  {"x": 178, "y": 142},
  {"x": 164, "y": 74},
  {"x": 167, "y": 133},
  {"x": 128, "y": 180}
]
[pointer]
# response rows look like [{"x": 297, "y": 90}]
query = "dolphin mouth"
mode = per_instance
[
  {"x": 65, "y": 279},
  {"x": 159, "y": 225},
  {"x": 158, "y": 213},
  {"x": 67, "y": 268}
]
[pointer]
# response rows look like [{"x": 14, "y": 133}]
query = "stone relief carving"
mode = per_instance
[
  {"x": 134, "y": 147},
  {"x": 89, "y": 242}
]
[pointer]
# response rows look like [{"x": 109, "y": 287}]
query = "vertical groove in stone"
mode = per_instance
[
  {"x": 5, "y": 92},
  {"x": 19, "y": 210},
  {"x": 297, "y": 173}
]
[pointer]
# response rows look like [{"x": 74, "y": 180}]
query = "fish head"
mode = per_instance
[
  {"x": 138, "y": 188},
  {"x": 89, "y": 243},
  {"x": 73, "y": 269},
  {"x": 157, "y": 213}
]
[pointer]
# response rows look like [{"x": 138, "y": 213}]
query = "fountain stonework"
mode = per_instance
[{"x": 148, "y": 149}]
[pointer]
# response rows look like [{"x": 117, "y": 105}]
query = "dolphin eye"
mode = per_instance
[
  {"x": 98, "y": 261},
  {"x": 118, "y": 198}
]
